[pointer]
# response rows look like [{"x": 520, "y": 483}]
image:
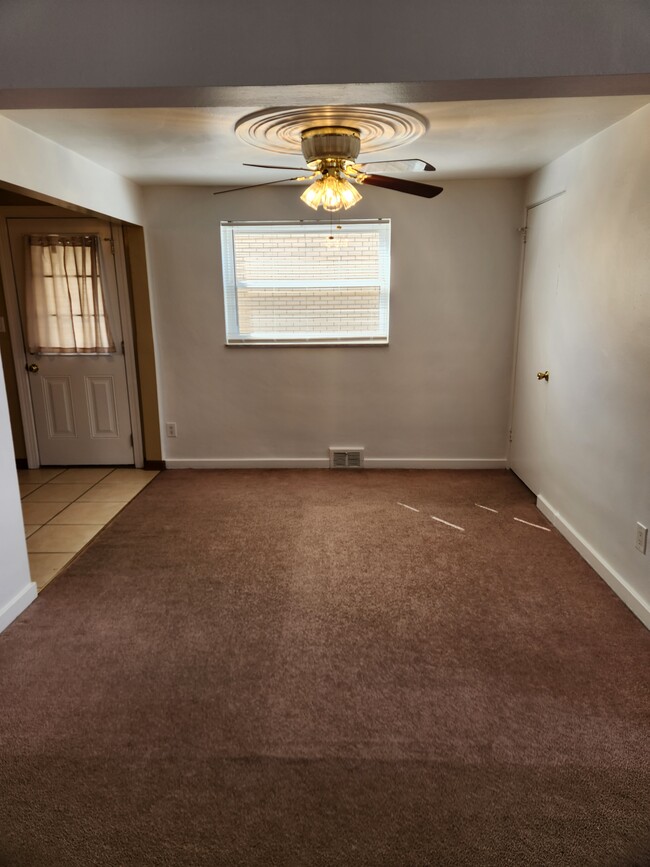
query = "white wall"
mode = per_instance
[
  {"x": 37, "y": 165},
  {"x": 439, "y": 391},
  {"x": 16, "y": 588},
  {"x": 598, "y": 483}
]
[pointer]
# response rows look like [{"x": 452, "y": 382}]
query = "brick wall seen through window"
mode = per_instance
[{"x": 306, "y": 282}]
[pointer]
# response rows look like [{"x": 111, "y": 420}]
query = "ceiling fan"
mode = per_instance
[{"x": 331, "y": 153}]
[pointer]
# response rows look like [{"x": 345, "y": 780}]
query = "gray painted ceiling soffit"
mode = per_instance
[{"x": 332, "y": 94}]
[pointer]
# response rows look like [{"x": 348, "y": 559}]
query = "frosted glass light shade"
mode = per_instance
[{"x": 331, "y": 193}]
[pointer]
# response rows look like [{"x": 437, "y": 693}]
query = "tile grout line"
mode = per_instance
[
  {"x": 40, "y": 484},
  {"x": 71, "y": 501},
  {"x": 74, "y": 554},
  {"x": 103, "y": 478}
]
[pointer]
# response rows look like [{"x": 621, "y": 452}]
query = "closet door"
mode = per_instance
[{"x": 532, "y": 431}]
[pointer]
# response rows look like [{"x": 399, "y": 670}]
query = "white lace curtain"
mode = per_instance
[{"x": 66, "y": 313}]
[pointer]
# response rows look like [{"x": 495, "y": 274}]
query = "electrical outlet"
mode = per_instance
[
  {"x": 641, "y": 538},
  {"x": 170, "y": 427}
]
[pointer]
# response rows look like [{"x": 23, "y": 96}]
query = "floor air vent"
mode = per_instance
[{"x": 346, "y": 459}]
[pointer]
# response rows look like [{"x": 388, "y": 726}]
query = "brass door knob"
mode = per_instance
[
  {"x": 33, "y": 368},
  {"x": 542, "y": 374}
]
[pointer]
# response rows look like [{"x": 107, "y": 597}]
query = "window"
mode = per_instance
[
  {"x": 306, "y": 282},
  {"x": 64, "y": 296}
]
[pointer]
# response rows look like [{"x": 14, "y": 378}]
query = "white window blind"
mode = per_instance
[{"x": 306, "y": 282}]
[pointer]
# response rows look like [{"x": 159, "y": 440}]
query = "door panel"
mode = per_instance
[
  {"x": 101, "y": 406},
  {"x": 57, "y": 403},
  {"x": 531, "y": 435},
  {"x": 80, "y": 402}
]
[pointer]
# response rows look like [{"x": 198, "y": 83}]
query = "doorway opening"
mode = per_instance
[{"x": 72, "y": 403}]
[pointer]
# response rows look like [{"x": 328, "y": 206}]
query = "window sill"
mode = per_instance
[{"x": 306, "y": 343}]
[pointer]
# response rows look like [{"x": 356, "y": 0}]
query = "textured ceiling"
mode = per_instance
[{"x": 481, "y": 138}]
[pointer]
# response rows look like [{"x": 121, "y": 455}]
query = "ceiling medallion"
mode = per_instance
[{"x": 380, "y": 127}]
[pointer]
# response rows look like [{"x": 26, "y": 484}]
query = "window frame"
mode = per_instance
[{"x": 230, "y": 284}]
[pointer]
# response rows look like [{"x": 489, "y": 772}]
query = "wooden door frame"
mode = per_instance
[{"x": 16, "y": 329}]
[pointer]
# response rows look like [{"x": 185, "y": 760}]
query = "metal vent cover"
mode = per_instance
[{"x": 346, "y": 459}]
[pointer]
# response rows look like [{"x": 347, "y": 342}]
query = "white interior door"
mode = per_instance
[
  {"x": 80, "y": 401},
  {"x": 531, "y": 436}
]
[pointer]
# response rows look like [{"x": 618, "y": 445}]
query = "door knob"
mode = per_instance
[
  {"x": 32, "y": 368},
  {"x": 543, "y": 374}
]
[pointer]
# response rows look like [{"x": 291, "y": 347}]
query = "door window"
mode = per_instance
[{"x": 64, "y": 296}]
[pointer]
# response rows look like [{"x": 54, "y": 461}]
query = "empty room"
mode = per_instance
[{"x": 324, "y": 425}]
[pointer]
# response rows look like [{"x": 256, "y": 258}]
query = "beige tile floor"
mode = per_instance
[{"x": 63, "y": 509}]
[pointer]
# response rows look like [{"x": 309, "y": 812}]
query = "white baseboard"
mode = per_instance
[
  {"x": 619, "y": 585},
  {"x": 323, "y": 463},
  {"x": 17, "y": 605}
]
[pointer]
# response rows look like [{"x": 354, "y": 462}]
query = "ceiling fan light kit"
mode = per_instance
[
  {"x": 330, "y": 152},
  {"x": 330, "y": 139},
  {"x": 331, "y": 193}
]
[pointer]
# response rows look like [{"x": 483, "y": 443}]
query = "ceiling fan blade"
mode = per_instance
[
  {"x": 397, "y": 166},
  {"x": 401, "y": 185},
  {"x": 282, "y": 168},
  {"x": 252, "y": 186}
]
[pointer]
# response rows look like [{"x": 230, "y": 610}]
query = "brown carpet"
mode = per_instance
[{"x": 289, "y": 668}]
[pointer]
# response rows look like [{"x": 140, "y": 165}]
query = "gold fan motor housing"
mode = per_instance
[{"x": 330, "y": 143}]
